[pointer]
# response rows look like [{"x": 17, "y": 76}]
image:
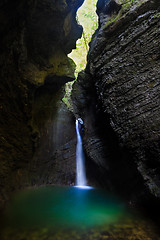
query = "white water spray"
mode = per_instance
[{"x": 80, "y": 160}]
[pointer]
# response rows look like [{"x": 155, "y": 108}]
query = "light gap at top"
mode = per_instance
[{"x": 87, "y": 17}]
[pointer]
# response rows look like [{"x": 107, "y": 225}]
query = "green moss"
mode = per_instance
[
  {"x": 112, "y": 19},
  {"x": 67, "y": 97},
  {"x": 126, "y": 7},
  {"x": 157, "y": 15}
]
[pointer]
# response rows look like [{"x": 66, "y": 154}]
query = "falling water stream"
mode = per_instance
[
  {"x": 80, "y": 160},
  {"x": 71, "y": 213},
  {"x": 61, "y": 209}
]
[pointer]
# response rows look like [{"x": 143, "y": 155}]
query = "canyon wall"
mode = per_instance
[
  {"x": 118, "y": 97},
  {"x": 122, "y": 107},
  {"x": 36, "y": 37}
]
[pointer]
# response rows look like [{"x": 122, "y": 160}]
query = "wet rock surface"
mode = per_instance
[
  {"x": 108, "y": 164},
  {"x": 36, "y": 37},
  {"x": 54, "y": 161},
  {"x": 124, "y": 69}
]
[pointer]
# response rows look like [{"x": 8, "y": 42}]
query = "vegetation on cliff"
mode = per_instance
[
  {"x": 87, "y": 17},
  {"x": 127, "y": 6}
]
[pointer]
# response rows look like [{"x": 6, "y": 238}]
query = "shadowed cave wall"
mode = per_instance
[{"x": 36, "y": 37}]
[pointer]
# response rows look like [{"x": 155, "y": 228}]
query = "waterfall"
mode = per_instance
[{"x": 80, "y": 160}]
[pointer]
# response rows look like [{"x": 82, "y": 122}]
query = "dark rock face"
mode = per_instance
[
  {"x": 124, "y": 71},
  {"x": 107, "y": 8},
  {"x": 54, "y": 161},
  {"x": 35, "y": 39},
  {"x": 108, "y": 164}
]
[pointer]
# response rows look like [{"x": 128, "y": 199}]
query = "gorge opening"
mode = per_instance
[
  {"x": 87, "y": 17},
  {"x": 116, "y": 95}
]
